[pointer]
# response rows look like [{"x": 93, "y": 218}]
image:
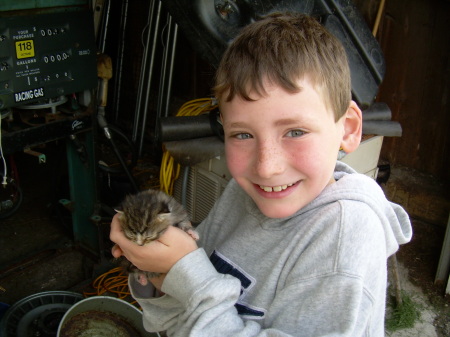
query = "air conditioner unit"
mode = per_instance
[{"x": 204, "y": 184}]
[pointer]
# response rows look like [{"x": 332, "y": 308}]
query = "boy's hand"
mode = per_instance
[
  {"x": 158, "y": 281},
  {"x": 159, "y": 256}
]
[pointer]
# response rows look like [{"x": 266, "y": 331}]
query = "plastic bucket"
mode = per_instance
[{"x": 103, "y": 316}]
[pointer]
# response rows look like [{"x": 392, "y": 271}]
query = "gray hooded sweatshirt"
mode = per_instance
[{"x": 319, "y": 272}]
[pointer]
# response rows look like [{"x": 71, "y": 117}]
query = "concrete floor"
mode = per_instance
[{"x": 37, "y": 249}]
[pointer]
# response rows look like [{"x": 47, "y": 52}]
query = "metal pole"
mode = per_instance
[
  {"x": 104, "y": 32},
  {"x": 167, "y": 69},
  {"x": 172, "y": 61},
  {"x": 163, "y": 76},
  {"x": 150, "y": 75},
  {"x": 137, "y": 114},
  {"x": 119, "y": 63}
]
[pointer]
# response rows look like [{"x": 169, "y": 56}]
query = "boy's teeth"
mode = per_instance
[{"x": 275, "y": 188}]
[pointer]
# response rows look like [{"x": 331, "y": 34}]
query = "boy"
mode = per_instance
[{"x": 297, "y": 244}]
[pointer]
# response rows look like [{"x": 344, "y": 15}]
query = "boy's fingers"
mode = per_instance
[
  {"x": 116, "y": 234},
  {"x": 172, "y": 236},
  {"x": 116, "y": 251},
  {"x": 158, "y": 281}
]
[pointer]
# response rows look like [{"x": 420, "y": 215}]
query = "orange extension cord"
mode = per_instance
[{"x": 114, "y": 281}]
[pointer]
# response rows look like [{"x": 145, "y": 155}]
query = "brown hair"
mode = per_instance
[{"x": 282, "y": 49}]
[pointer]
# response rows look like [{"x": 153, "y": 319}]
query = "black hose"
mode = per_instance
[
  {"x": 121, "y": 161},
  {"x": 129, "y": 143},
  {"x": 18, "y": 190}
]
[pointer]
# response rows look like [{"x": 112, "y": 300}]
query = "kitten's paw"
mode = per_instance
[
  {"x": 142, "y": 279},
  {"x": 193, "y": 233}
]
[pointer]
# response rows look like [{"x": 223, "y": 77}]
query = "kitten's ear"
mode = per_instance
[
  {"x": 165, "y": 208},
  {"x": 163, "y": 217}
]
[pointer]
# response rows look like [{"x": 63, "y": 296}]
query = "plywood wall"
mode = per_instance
[{"x": 415, "y": 38}]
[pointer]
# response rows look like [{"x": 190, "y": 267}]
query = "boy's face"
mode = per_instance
[{"x": 282, "y": 148}]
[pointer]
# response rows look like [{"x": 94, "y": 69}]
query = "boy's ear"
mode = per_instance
[{"x": 352, "y": 128}]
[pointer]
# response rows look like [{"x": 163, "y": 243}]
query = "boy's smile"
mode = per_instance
[{"x": 282, "y": 148}]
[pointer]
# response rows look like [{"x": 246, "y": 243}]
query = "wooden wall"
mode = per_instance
[{"x": 415, "y": 38}]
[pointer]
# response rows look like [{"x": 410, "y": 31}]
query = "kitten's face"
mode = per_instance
[
  {"x": 144, "y": 226},
  {"x": 145, "y": 216}
]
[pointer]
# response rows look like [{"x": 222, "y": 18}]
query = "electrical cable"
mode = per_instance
[
  {"x": 15, "y": 195},
  {"x": 16, "y": 199},
  {"x": 170, "y": 171},
  {"x": 132, "y": 149},
  {"x": 5, "y": 168},
  {"x": 113, "y": 281}
]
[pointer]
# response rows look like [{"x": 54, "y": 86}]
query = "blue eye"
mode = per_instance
[
  {"x": 295, "y": 133},
  {"x": 243, "y": 136}
]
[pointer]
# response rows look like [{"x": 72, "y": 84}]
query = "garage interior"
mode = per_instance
[{"x": 69, "y": 177}]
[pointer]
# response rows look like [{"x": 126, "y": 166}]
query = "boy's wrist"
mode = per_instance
[{"x": 192, "y": 271}]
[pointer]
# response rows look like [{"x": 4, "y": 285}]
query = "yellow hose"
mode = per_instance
[{"x": 168, "y": 174}]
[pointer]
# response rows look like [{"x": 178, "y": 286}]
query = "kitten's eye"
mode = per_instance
[
  {"x": 150, "y": 236},
  {"x": 295, "y": 133},
  {"x": 128, "y": 235},
  {"x": 147, "y": 241}
]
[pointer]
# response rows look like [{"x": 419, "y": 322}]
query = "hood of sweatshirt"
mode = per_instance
[
  {"x": 394, "y": 219},
  {"x": 359, "y": 187}
]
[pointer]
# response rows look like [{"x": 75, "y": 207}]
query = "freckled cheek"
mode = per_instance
[
  {"x": 238, "y": 159},
  {"x": 305, "y": 160}
]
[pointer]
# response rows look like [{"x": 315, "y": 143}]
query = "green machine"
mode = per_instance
[{"x": 48, "y": 56}]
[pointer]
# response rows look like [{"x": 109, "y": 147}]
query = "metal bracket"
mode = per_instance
[{"x": 41, "y": 157}]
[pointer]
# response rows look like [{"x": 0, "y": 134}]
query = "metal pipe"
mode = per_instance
[
  {"x": 172, "y": 61},
  {"x": 378, "y": 18},
  {"x": 104, "y": 32},
  {"x": 119, "y": 63},
  {"x": 382, "y": 128},
  {"x": 150, "y": 75},
  {"x": 163, "y": 76},
  {"x": 166, "y": 78},
  {"x": 378, "y": 111},
  {"x": 137, "y": 114},
  {"x": 186, "y": 127}
]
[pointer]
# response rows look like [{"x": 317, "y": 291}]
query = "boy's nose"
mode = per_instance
[{"x": 269, "y": 161}]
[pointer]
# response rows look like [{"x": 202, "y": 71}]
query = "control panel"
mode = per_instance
[{"x": 45, "y": 56}]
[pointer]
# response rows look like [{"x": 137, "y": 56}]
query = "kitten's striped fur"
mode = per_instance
[{"x": 145, "y": 216}]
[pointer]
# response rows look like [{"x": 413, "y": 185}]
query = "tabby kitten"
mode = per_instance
[{"x": 144, "y": 217}]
